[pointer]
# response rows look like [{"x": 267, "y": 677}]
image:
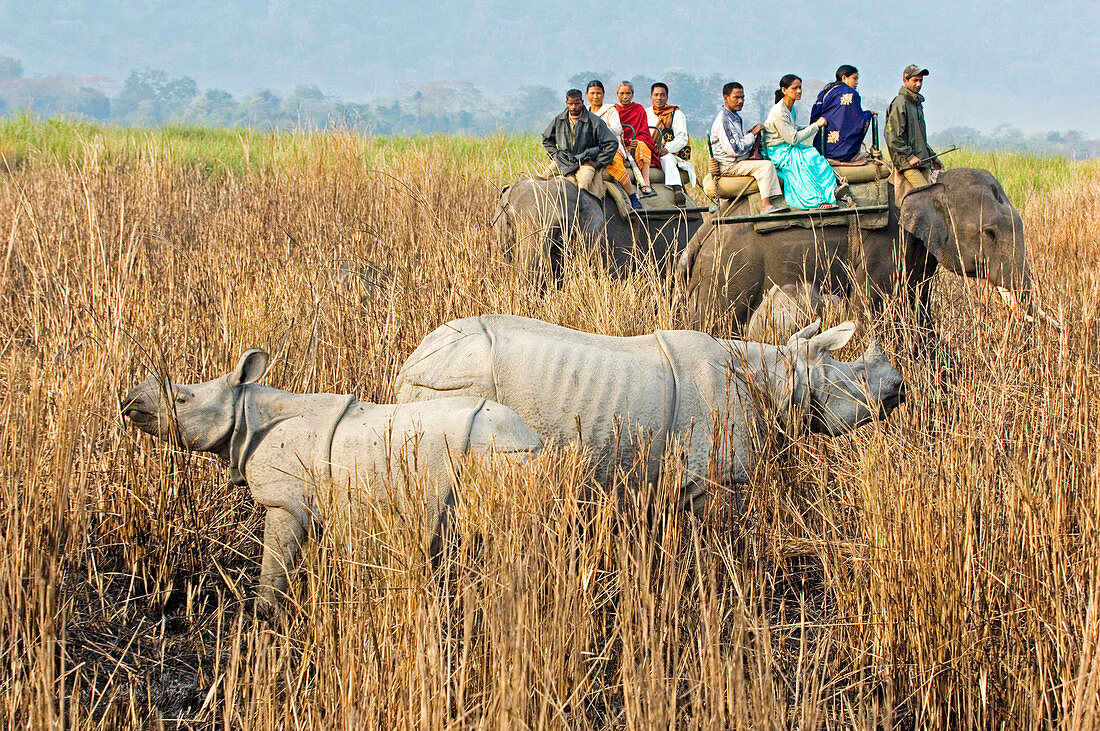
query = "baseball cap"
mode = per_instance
[{"x": 913, "y": 70}]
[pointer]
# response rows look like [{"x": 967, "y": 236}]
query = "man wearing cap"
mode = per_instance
[{"x": 906, "y": 137}]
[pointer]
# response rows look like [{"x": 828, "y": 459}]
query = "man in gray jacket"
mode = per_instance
[
  {"x": 579, "y": 141},
  {"x": 906, "y": 136}
]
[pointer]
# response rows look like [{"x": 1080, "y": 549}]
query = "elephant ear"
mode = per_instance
[
  {"x": 592, "y": 217},
  {"x": 924, "y": 216}
]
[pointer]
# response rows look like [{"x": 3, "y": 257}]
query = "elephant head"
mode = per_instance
[
  {"x": 546, "y": 211},
  {"x": 967, "y": 222}
]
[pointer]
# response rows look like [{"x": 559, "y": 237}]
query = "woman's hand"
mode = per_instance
[{"x": 821, "y": 122}]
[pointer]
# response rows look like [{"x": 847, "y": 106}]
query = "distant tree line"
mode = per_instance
[
  {"x": 149, "y": 98},
  {"x": 1072, "y": 144}
]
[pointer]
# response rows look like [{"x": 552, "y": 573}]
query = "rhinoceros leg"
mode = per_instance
[{"x": 283, "y": 535}]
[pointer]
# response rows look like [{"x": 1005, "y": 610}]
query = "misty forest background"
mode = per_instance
[{"x": 150, "y": 98}]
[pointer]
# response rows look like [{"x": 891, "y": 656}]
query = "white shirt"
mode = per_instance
[
  {"x": 780, "y": 127},
  {"x": 610, "y": 115},
  {"x": 729, "y": 142},
  {"x": 679, "y": 129}
]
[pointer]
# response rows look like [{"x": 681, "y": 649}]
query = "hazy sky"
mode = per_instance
[{"x": 1026, "y": 64}]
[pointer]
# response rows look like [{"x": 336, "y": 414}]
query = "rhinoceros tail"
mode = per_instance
[
  {"x": 455, "y": 359},
  {"x": 497, "y": 429}
]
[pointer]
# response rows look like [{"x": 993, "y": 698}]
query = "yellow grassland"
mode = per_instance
[{"x": 938, "y": 570}]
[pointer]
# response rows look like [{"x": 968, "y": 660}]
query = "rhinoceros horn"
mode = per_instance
[{"x": 873, "y": 352}]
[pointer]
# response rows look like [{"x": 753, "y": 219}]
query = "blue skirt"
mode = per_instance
[{"x": 808, "y": 180}]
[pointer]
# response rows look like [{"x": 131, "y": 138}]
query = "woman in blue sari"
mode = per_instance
[
  {"x": 808, "y": 181},
  {"x": 846, "y": 120}
]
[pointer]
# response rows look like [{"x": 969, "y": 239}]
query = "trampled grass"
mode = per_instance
[{"x": 936, "y": 570}]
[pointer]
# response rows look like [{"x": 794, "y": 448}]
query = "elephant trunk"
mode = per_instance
[
  {"x": 1004, "y": 262},
  {"x": 503, "y": 239},
  {"x": 1014, "y": 290}
]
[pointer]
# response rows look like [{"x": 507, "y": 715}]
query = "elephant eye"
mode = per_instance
[
  {"x": 990, "y": 231},
  {"x": 181, "y": 398}
]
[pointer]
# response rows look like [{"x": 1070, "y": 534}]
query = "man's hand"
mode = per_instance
[
  {"x": 821, "y": 122},
  {"x": 631, "y": 145},
  {"x": 756, "y": 130},
  {"x": 914, "y": 161}
]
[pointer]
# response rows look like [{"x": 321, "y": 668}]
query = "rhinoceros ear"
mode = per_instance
[
  {"x": 805, "y": 333},
  {"x": 250, "y": 368},
  {"x": 832, "y": 339}
]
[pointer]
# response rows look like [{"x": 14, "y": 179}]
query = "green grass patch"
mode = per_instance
[
  {"x": 217, "y": 151},
  {"x": 500, "y": 157},
  {"x": 1022, "y": 174}
]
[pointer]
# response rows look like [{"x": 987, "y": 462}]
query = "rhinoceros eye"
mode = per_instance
[{"x": 181, "y": 398}]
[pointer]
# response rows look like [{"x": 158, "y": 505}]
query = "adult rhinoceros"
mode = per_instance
[
  {"x": 621, "y": 394},
  {"x": 535, "y": 216},
  {"x": 300, "y": 453},
  {"x": 964, "y": 222}
]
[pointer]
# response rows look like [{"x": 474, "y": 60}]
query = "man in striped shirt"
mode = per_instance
[{"x": 731, "y": 147}]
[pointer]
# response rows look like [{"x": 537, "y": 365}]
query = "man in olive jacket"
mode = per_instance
[
  {"x": 906, "y": 137},
  {"x": 579, "y": 141}
]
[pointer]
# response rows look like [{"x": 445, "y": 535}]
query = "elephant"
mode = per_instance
[
  {"x": 535, "y": 216},
  {"x": 963, "y": 222}
]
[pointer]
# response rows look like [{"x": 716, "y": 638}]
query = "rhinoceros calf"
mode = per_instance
[
  {"x": 618, "y": 394},
  {"x": 299, "y": 452}
]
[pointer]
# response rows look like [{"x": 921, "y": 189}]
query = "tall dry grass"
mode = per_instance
[{"x": 937, "y": 570}]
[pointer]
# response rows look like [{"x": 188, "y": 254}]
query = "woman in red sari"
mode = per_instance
[{"x": 640, "y": 144}]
